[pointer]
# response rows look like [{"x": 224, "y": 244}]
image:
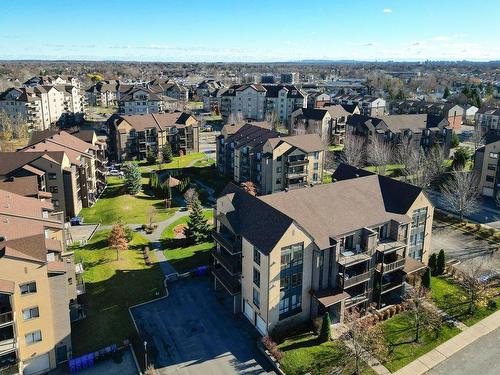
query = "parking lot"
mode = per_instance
[
  {"x": 464, "y": 246},
  {"x": 194, "y": 332}
]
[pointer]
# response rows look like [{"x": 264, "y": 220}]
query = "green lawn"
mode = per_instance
[
  {"x": 302, "y": 353},
  {"x": 393, "y": 170},
  {"x": 115, "y": 205},
  {"x": 177, "y": 162},
  {"x": 451, "y": 298},
  {"x": 184, "y": 258},
  {"x": 111, "y": 287},
  {"x": 399, "y": 335},
  {"x": 335, "y": 148}
]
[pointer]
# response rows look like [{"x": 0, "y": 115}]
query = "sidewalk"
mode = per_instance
[{"x": 431, "y": 359}]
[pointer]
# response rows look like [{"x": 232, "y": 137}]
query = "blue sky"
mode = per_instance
[{"x": 250, "y": 30}]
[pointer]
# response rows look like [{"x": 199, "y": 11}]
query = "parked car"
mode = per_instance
[
  {"x": 77, "y": 220},
  {"x": 114, "y": 172}
]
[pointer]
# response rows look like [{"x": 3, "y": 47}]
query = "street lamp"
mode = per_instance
[{"x": 145, "y": 354}]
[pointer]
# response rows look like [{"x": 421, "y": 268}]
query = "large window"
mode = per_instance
[
  {"x": 256, "y": 255},
  {"x": 291, "y": 280},
  {"x": 256, "y": 298},
  {"x": 256, "y": 277},
  {"x": 417, "y": 235}
]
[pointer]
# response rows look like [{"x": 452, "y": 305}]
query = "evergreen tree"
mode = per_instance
[
  {"x": 426, "y": 279},
  {"x": 455, "y": 141},
  {"x": 166, "y": 152},
  {"x": 132, "y": 178},
  {"x": 197, "y": 228},
  {"x": 325, "y": 334},
  {"x": 446, "y": 92},
  {"x": 460, "y": 158},
  {"x": 151, "y": 156},
  {"x": 441, "y": 263},
  {"x": 432, "y": 264}
]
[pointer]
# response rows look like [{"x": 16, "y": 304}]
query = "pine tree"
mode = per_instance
[
  {"x": 151, "y": 156},
  {"x": 132, "y": 178},
  {"x": 441, "y": 263},
  {"x": 432, "y": 264},
  {"x": 325, "y": 334},
  {"x": 446, "y": 92},
  {"x": 426, "y": 279},
  {"x": 197, "y": 229},
  {"x": 166, "y": 152}
]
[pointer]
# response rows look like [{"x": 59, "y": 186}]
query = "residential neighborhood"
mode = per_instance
[{"x": 202, "y": 193}]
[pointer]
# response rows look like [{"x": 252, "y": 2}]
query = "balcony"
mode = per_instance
[
  {"x": 390, "y": 266},
  {"x": 80, "y": 289},
  {"x": 389, "y": 245},
  {"x": 7, "y": 345},
  {"x": 297, "y": 162},
  {"x": 226, "y": 243},
  {"x": 230, "y": 283},
  {"x": 352, "y": 257},
  {"x": 387, "y": 287},
  {"x": 356, "y": 299},
  {"x": 6, "y": 318},
  {"x": 230, "y": 262},
  {"x": 9, "y": 369},
  {"x": 348, "y": 281}
]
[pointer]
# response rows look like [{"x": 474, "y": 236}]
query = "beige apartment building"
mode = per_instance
[
  {"x": 292, "y": 256},
  {"x": 38, "y": 286},
  {"x": 272, "y": 161},
  {"x": 133, "y": 136},
  {"x": 487, "y": 166}
]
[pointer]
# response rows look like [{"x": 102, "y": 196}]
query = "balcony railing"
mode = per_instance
[
  {"x": 389, "y": 245},
  {"x": 298, "y": 162},
  {"x": 229, "y": 262},
  {"x": 229, "y": 282},
  {"x": 6, "y": 317},
  {"x": 390, "y": 286},
  {"x": 347, "y": 282},
  {"x": 80, "y": 289},
  {"x": 356, "y": 299},
  {"x": 7, "y": 345},
  {"x": 291, "y": 175},
  {"x": 229, "y": 245},
  {"x": 9, "y": 369},
  {"x": 392, "y": 266}
]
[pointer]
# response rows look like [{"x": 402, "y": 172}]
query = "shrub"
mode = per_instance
[
  {"x": 426, "y": 279},
  {"x": 386, "y": 314},
  {"x": 491, "y": 304},
  {"x": 491, "y": 231},
  {"x": 432, "y": 264},
  {"x": 398, "y": 308},
  {"x": 325, "y": 333},
  {"x": 271, "y": 346},
  {"x": 477, "y": 227},
  {"x": 129, "y": 233},
  {"x": 441, "y": 263}
]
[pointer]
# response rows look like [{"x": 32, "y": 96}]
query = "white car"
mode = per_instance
[{"x": 115, "y": 172}]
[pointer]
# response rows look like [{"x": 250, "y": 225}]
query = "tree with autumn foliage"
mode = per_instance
[
  {"x": 249, "y": 187},
  {"x": 117, "y": 239}
]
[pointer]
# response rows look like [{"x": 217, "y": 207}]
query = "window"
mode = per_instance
[
  {"x": 278, "y": 158},
  {"x": 28, "y": 288},
  {"x": 33, "y": 337},
  {"x": 54, "y": 189},
  {"x": 490, "y": 178},
  {"x": 292, "y": 255},
  {"x": 316, "y": 155},
  {"x": 278, "y": 170},
  {"x": 256, "y": 255},
  {"x": 52, "y": 176},
  {"x": 256, "y": 277},
  {"x": 315, "y": 177},
  {"x": 278, "y": 181},
  {"x": 417, "y": 234},
  {"x": 256, "y": 298},
  {"x": 291, "y": 280},
  {"x": 492, "y": 167},
  {"x": 493, "y": 155},
  {"x": 31, "y": 313},
  {"x": 316, "y": 166}
]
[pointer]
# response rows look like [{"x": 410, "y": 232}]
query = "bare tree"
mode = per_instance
[
  {"x": 473, "y": 284},
  {"x": 461, "y": 193},
  {"x": 420, "y": 169},
  {"x": 477, "y": 138},
  {"x": 363, "y": 338},
  {"x": 249, "y": 187},
  {"x": 151, "y": 216},
  {"x": 421, "y": 312},
  {"x": 379, "y": 154},
  {"x": 190, "y": 196},
  {"x": 354, "y": 151}
]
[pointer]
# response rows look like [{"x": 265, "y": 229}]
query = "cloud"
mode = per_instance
[
  {"x": 387, "y": 10},
  {"x": 442, "y": 38}
]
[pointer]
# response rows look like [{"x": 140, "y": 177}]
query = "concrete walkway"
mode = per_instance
[{"x": 426, "y": 362}]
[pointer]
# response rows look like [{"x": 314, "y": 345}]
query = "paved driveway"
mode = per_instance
[
  {"x": 194, "y": 332},
  {"x": 463, "y": 246}
]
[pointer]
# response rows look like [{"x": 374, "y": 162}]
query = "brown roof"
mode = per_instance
[
  {"x": 29, "y": 248},
  {"x": 27, "y": 186},
  {"x": 11, "y": 161},
  {"x": 336, "y": 111},
  {"x": 412, "y": 265},
  {"x": 6, "y": 286},
  {"x": 305, "y": 142},
  {"x": 56, "y": 267},
  {"x": 160, "y": 121},
  {"x": 329, "y": 297}
]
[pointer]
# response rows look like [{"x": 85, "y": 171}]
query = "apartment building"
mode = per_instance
[
  {"x": 317, "y": 99},
  {"x": 207, "y": 87},
  {"x": 170, "y": 89},
  {"x": 43, "y": 106},
  {"x": 452, "y": 112},
  {"x": 140, "y": 100},
  {"x": 368, "y": 105},
  {"x": 292, "y": 256},
  {"x": 272, "y": 161},
  {"x": 420, "y": 131},
  {"x": 38, "y": 286},
  {"x": 328, "y": 122},
  {"x": 488, "y": 118},
  {"x": 487, "y": 166},
  {"x": 84, "y": 178},
  {"x": 56, "y": 80},
  {"x": 289, "y": 78},
  {"x": 132, "y": 136},
  {"x": 103, "y": 93},
  {"x": 258, "y": 101}
]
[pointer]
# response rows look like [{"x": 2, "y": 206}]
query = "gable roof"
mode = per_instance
[
  {"x": 305, "y": 142},
  {"x": 12, "y": 161},
  {"x": 160, "y": 121}
]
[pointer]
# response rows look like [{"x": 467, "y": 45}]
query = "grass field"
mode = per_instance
[
  {"x": 303, "y": 354},
  {"x": 177, "y": 162},
  {"x": 399, "y": 335},
  {"x": 451, "y": 298},
  {"x": 115, "y": 205},
  {"x": 111, "y": 287}
]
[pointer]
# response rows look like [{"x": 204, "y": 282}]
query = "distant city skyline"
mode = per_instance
[{"x": 256, "y": 31}]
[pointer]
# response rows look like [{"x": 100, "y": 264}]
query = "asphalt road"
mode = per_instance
[
  {"x": 481, "y": 357},
  {"x": 194, "y": 332}
]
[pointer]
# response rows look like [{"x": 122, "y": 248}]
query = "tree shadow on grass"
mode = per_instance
[{"x": 313, "y": 341}]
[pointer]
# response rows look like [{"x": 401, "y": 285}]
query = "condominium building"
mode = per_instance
[
  {"x": 56, "y": 80},
  {"x": 170, "y": 89},
  {"x": 132, "y": 137},
  {"x": 103, "y": 93},
  {"x": 452, "y": 112},
  {"x": 420, "y": 131},
  {"x": 39, "y": 286},
  {"x": 289, "y": 78},
  {"x": 487, "y": 166},
  {"x": 140, "y": 100},
  {"x": 368, "y": 105},
  {"x": 272, "y": 161},
  {"x": 328, "y": 122},
  {"x": 43, "y": 106},
  {"x": 83, "y": 179},
  {"x": 488, "y": 118},
  {"x": 256, "y": 102},
  {"x": 292, "y": 256}
]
